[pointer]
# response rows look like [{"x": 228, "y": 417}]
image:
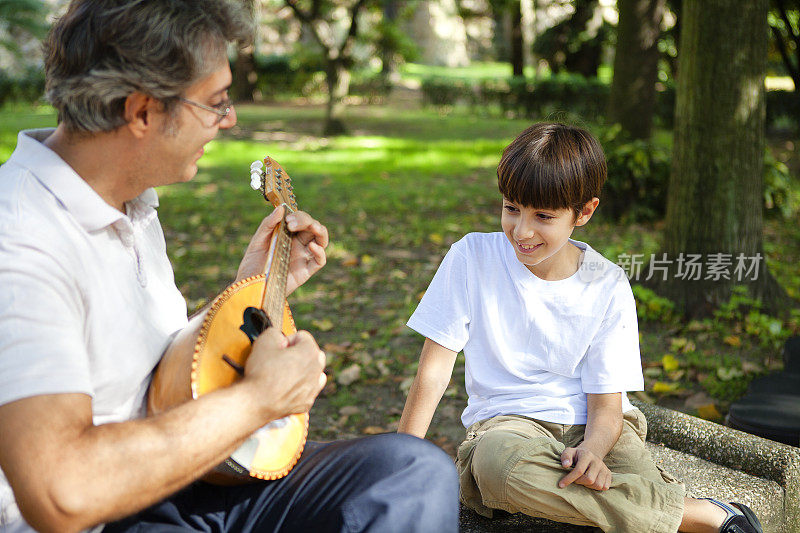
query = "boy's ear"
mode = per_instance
[
  {"x": 587, "y": 211},
  {"x": 139, "y": 113}
]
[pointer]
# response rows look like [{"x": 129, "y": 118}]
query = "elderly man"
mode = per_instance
[{"x": 88, "y": 304}]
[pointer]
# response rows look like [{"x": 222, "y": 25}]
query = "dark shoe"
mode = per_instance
[{"x": 741, "y": 519}]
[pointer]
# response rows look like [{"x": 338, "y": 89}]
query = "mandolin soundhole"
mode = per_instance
[{"x": 254, "y": 322}]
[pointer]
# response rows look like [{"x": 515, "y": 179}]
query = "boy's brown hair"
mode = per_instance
[{"x": 552, "y": 166}]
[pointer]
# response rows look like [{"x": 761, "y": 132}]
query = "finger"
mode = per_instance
[
  {"x": 271, "y": 220},
  {"x": 598, "y": 483},
  {"x": 317, "y": 253},
  {"x": 567, "y": 457},
  {"x": 577, "y": 472},
  {"x": 273, "y": 337},
  {"x": 570, "y": 478},
  {"x": 307, "y": 228},
  {"x": 592, "y": 473},
  {"x": 603, "y": 479},
  {"x": 297, "y": 337},
  {"x": 606, "y": 481},
  {"x": 304, "y": 342}
]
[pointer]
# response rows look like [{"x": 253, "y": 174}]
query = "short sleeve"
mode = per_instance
[
  {"x": 443, "y": 314},
  {"x": 42, "y": 347},
  {"x": 613, "y": 362}
]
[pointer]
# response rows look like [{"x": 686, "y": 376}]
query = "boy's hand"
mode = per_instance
[{"x": 588, "y": 469}]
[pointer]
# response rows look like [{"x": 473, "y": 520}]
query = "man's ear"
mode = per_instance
[
  {"x": 140, "y": 112},
  {"x": 587, "y": 211}
]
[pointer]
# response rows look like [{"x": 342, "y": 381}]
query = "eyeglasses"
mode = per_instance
[{"x": 222, "y": 109}]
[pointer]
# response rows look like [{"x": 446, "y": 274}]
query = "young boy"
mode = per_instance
[{"x": 548, "y": 328}]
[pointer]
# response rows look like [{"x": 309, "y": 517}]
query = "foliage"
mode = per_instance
[
  {"x": 18, "y": 18},
  {"x": 283, "y": 74},
  {"x": 720, "y": 354},
  {"x": 370, "y": 88},
  {"x": 540, "y": 97},
  {"x": 664, "y": 114},
  {"x": 391, "y": 40},
  {"x": 444, "y": 93},
  {"x": 520, "y": 96},
  {"x": 743, "y": 315},
  {"x": 781, "y": 195},
  {"x": 573, "y": 45},
  {"x": 784, "y": 24},
  {"x": 638, "y": 176},
  {"x": 27, "y": 87},
  {"x": 651, "y": 307},
  {"x": 783, "y": 109}
]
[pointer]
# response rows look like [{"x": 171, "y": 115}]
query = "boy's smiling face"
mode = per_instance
[{"x": 540, "y": 237}]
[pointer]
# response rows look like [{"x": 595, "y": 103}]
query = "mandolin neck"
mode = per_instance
[{"x": 277, "y": 271}]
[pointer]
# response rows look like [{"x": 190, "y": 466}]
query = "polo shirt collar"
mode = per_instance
[{"x": 82, "y": 202}]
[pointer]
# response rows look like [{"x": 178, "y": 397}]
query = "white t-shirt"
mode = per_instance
[
  {"x": 87, "y": 294},
  {"x": 532, "y": 347}
]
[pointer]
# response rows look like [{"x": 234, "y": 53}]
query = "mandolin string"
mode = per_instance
[{"x": 274, "y": 295}]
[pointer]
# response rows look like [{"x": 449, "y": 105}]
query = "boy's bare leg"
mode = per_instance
[{"x": 701, "y": 516}]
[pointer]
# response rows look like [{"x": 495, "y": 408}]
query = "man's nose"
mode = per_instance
[{"x": 230, "y": 120}]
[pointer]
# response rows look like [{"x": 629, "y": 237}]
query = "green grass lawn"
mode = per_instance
[{"x": 395, "y": 193}]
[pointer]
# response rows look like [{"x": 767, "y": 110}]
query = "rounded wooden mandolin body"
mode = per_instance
[{"x": 195, "y": 364}]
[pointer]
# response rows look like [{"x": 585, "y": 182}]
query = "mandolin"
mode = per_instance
[{"x": 211, "y": 351}]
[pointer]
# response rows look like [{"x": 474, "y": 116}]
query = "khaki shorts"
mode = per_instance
[{"x": 512, "y": 462}]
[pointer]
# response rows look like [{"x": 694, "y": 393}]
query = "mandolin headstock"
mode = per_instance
[{"x": 274, "y": 183}]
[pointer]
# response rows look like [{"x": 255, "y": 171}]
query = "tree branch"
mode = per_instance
[
  {"x": 789, "y": 28},
  {"x": 787, "y": 61},
  {"x": 309, "y": 19},
  {"x": 347, "y": 44}
]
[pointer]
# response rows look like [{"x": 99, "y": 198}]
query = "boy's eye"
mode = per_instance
[
  {"x": 510, "y": 208},
  {"x": 544, "y": 216}
]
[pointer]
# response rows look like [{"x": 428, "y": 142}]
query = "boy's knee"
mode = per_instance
[{"x": 498, "y": 453}]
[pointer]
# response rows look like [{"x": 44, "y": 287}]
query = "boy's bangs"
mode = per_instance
[{"x": 535, "y": 185}]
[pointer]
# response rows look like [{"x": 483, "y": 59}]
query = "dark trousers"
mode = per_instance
[{"x": 385, "y": 483}]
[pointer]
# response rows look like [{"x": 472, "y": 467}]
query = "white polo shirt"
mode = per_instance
[
  {"x": 88, "y": 300},
  {"x": 532, "y": 347}
]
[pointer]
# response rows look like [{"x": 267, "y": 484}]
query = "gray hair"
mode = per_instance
[{"x": 101, "y": 51}]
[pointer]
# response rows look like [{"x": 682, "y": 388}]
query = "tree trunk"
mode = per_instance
[
  {"x": 244, "y": 76},
  {"x": 517, "y": 55},
  {"x": 244, "y": 68},
  {"x": 439, "y": 33},
  {"x": 338, "y": 78},
  {"x": 388, "y": 55},
  {"x": 714, "y": 207},
  {"x": 501, "y": 38},
  {"x": 633, "y": 96}
]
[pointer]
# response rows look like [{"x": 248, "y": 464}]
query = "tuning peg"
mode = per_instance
[
  {"x": 256, "y": 165},
  {"x": 255, "y": 180}
]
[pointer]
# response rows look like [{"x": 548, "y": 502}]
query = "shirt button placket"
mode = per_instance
[{"x": 124, "y": 229}]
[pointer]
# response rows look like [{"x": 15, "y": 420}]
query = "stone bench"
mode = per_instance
[{"x": 712, "y": 460}]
